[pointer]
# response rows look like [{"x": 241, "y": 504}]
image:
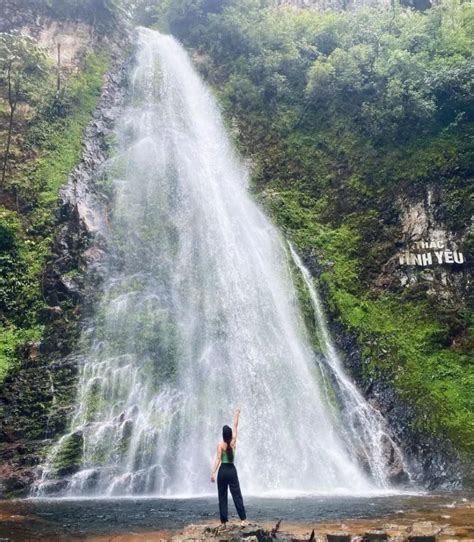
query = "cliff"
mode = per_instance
[
  {"x": 356, "y": 127},
  {"x": 53, "y": 230}
]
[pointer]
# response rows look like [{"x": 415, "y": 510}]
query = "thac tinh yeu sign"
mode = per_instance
[{"x": 425, "y": 253}]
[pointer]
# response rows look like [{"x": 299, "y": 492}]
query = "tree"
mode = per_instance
[{"x": 22, "y": 62}]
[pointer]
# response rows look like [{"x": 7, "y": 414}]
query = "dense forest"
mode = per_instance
[{"x": 357, "y": 127}]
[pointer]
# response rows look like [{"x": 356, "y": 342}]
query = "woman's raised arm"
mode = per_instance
[{"x": 236, "y": 425}]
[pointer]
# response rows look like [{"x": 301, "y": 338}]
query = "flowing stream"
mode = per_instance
[{"x": 200, "y": 315}]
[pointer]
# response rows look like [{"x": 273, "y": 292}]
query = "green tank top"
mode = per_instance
[{"x": 225, "y": 457}]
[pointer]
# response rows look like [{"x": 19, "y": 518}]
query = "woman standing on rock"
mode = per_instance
[{"x": 227, "y": 475}]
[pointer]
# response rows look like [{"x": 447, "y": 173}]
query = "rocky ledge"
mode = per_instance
[{"x": 442, "y": 528}]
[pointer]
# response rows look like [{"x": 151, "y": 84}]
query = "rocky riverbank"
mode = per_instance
[
  {"x": 457, "y": 524},
  {"x": 432, "y": 519},
  {"x": 431, "y": 526}
]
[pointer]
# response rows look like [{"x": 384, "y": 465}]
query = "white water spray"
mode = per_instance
[{"x": 199, "y": 316}]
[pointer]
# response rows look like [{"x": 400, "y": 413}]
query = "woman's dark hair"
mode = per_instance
[{"x": 227, "y": 437}]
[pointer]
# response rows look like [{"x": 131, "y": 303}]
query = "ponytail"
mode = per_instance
[{"x": 227, "y": 437}]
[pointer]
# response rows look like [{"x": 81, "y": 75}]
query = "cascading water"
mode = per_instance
[
  {"x": 362, "y": 425},
  {"x": 199, "y": 315}
]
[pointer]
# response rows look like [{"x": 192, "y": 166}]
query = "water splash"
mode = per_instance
[{"x": 199, "y": 315}]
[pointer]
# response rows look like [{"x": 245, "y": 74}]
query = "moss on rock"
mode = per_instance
[{"x": 68, "y": 459}]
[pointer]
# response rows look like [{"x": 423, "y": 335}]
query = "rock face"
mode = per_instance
[
  {"x": 431, "y": 257},
  {"x": 14, "y": 14},
  {"x": 421, "y": 227},
  {"x": 73, "y": 37},
  {"x": 37, "y": 397},
  {"x": 433, "y": 463},
  {"x": 422, "y": 221}
]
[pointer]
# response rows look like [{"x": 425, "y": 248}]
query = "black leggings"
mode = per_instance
[{"x": 227, "y": 476}]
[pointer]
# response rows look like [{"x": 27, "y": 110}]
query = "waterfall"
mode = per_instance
[
  {"x": 363, "y": 425},
  {"x": 198, "y": 316}
]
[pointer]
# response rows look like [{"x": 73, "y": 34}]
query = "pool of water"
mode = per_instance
[{"x": 54, "y": 519}]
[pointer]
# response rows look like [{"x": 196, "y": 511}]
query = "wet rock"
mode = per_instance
[
  {"x": 54, "y": 487},
  {"x": 49, "y": 314},
  {"x": 71, "y": 285},
  {"x": 93, "y": 256},
  {"x": 91, "y": 481},
  {"x": 423, "y": 531},
  {"x": 21, "y": 449},
  {"x": 31, "y": 350},
  {"x": 69, "y": 458},
  {"x": 396, "y": 470},
  {"x": 448, "y": 532},
  {"x": 14, "y": 482}
]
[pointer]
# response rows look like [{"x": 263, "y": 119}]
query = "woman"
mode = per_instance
[{"x": 227, "y": 476}]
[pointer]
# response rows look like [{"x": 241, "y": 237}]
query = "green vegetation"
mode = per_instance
[
  {"x": 68, "y": 458},
  {"x": 342, "y": 114},
  {"x": 47, "y": 146}
]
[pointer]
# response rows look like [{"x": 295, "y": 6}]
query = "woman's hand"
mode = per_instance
[{"x": 217, "y": 462}]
